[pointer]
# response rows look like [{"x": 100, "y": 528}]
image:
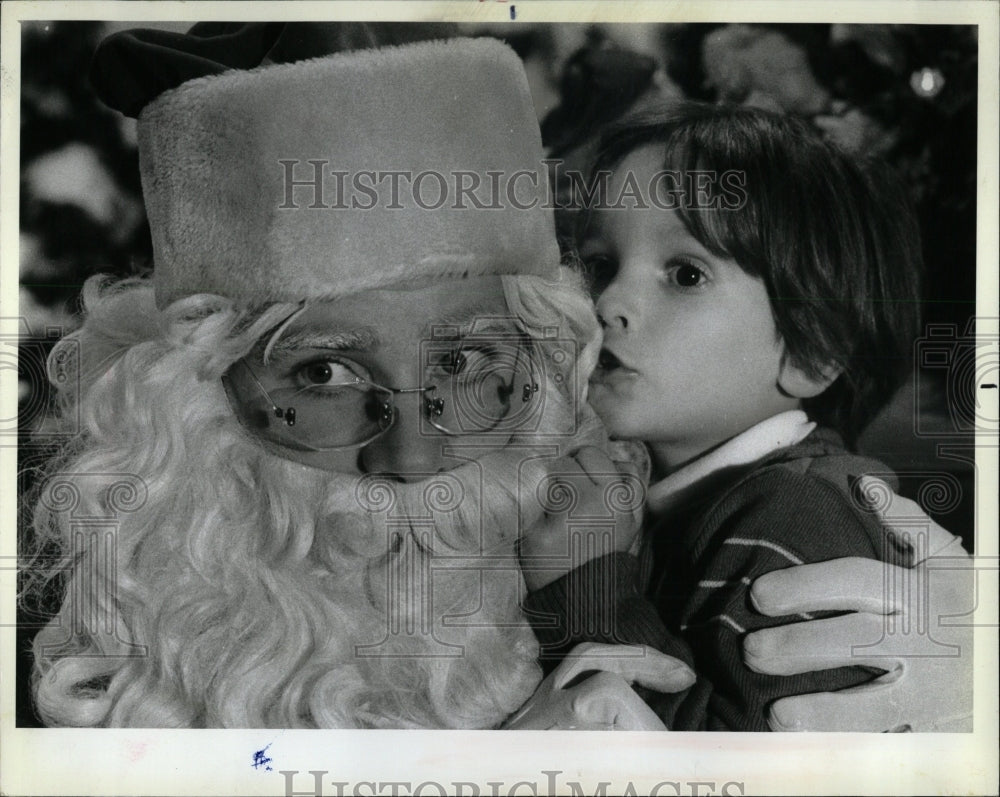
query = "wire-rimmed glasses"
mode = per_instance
[{"x": 482, "y": 387}]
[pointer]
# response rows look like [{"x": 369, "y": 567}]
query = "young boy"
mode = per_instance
[{"x": 745, "y": 272}]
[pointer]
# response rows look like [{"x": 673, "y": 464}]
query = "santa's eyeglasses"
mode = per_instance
[{"x": 470, "y": 388}]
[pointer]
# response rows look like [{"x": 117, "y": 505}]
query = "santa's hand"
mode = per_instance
[
  {"x": 588, "y": 485},
  {"x": 915, "y": 623},
  {"x": 604, "y": 700}
]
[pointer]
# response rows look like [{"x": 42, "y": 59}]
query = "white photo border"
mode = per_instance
[{"x": 141, "y": 762}]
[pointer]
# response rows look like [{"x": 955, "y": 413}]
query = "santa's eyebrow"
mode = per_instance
[
  {"x": 482, "y": 317},
  {"x": 362, "y": 339}
]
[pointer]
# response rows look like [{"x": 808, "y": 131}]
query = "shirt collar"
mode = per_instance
[{"x": 779, "y": 431}]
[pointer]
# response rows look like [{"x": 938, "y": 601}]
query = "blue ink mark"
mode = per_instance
[
  {"x": 260, "y": 759},
  {"x": 513, "y": 13}
]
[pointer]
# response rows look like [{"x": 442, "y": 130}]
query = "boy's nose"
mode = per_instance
[
  {"x": 620, "y": 322},
  {"x": 613, "y": 309}
]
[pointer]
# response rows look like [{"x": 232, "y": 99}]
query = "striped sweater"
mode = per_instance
[{"x": 794, "y": 505}]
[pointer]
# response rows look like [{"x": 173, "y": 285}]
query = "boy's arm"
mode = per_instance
[
  {"x": 785, "y": 519},
  {"x": 777, "y": 519},
  {"x": 598, "y": 601}
]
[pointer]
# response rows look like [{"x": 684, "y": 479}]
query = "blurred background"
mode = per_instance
[{"x": 907, "y": 93}]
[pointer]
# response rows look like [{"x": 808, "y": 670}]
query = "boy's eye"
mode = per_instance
[
  {"x": 686, "y": 275},
  {"x": 600, "y": 270}
]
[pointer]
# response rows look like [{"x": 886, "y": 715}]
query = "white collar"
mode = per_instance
[{"x": 778, "y": 431}]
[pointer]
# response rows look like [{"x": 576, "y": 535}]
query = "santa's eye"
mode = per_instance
[
  {"x": 464, "y": 361},
  {"x": 326, "y": 372}
]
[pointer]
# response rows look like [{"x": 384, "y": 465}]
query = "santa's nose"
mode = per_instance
[{"x": 409, "y": 451}]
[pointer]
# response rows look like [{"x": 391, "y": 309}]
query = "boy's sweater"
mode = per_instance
[{"x": 794, "y": 505}]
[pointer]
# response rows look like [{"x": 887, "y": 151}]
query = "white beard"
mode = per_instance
[
  {"x": 440, "y": 640},
  {"x": 239, "y": 589},
  {"x": 267, "y": 593}
]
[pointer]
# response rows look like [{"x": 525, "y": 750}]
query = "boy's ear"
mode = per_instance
[{"x": 797, "y": 383}]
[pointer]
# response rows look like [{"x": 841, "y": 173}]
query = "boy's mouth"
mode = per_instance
[
  {"x": 610, "y": 366},
  {"x": 608, "y": 360}
]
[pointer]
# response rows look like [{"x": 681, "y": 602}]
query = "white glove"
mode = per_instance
[
  {"x": 604, "y": 701},
  {"x": 916, "y": 623}
]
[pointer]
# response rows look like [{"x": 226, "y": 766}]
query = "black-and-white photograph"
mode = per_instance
[{"x": 502, "y": 375}]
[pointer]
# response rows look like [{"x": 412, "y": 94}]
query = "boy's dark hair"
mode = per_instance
[{"x": 833, "y": 237}]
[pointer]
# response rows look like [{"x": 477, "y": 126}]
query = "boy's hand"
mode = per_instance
[{"x": 592, "y": 507}]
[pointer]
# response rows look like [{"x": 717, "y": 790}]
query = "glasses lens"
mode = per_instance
[
  {"x": 474, "y": 387},
  {"x": 328, "y": 416}
]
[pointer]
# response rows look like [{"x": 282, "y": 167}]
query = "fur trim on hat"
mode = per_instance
[{"x": 255, "y": 181}]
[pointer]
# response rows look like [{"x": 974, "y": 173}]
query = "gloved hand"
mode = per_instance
[
  {"x": 604, "y": 701},
  {"x": 916, "y": 623}
]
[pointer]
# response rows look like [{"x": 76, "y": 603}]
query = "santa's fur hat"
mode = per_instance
[{"x": 277, "y": 183}]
